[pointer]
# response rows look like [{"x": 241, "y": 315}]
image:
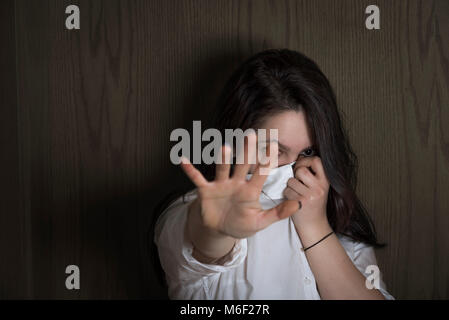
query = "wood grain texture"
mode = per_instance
[
  {"x": 88, "y": 113},
  {"x": 12, "y": 233}
]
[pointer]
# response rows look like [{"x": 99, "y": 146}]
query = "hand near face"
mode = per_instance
[
  {"x": 310, "y": 189},
  {"x": 230, "y": 204}
]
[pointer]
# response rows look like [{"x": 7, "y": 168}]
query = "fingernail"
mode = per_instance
[{"x": 184, "y": 160}]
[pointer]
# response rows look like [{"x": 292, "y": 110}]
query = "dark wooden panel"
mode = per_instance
[
  {"x": 95, "y": 108},
  {"x": 13, "y": 226},
  {"x": 424, "y": 151}
]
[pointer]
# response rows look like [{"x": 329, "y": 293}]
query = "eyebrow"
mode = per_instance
[
  {"x": 287, "y": 149},
  {"x": 283, "y": 147}
]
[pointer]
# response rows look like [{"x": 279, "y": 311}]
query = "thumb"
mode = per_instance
[{"x": 281, "y": 211}]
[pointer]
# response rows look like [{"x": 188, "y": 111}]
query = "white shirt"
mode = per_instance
[{"x": 266, "y": 265}]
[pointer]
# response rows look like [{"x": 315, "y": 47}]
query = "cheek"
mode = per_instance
[
  {"x": 288, "y": 158},
  {"x": 283, "y": 160}
]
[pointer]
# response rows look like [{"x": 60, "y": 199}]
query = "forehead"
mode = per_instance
[{"x": 293, "y": 131}]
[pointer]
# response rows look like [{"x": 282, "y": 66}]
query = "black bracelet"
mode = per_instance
[{"x": 304, "y": 250}]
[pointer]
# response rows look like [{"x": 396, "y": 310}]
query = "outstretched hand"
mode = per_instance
[{"x": 230, "y": 205}]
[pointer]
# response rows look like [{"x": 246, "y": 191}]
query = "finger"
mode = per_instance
[
  {"x": 297, "y": 186},
  {"x": 291, "y": 194},
  {"x": 262, "y": 171},
  {"x": 223, "y": 168},
  {"x": 313, "y": 162},
  {"x": 245, "y": 156},
  {"x": 305, "y": 176},
  {"x": 267, "y": 156},
  {"x": 281, "y": 211},
  {"x": 194, "y": 175},
  {"x": 303, "y": 162}
]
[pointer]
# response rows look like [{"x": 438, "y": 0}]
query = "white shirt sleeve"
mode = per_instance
[
  {"x": 187, "y": 277},
  {"x": 363, "y": 256}
]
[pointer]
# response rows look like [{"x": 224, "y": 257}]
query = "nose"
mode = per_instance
[{"x": 293, "y": 165}]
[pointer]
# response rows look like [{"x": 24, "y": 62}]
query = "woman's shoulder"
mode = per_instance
[
  {"x": 175, "y": 207},
  {"x": 190, "y": 195},
  {"x": 182, "y": 199}
]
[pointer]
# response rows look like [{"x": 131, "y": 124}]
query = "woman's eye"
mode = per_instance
[{"x": 309, "y": 152}]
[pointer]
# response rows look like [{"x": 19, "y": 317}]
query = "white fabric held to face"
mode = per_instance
[{"x": 277, "y": 181}]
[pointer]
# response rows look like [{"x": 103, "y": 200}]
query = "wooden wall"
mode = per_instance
[{"x": 86, "y": 115}]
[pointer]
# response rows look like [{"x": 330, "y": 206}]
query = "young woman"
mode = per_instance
[{"x": 298, "y": 233}]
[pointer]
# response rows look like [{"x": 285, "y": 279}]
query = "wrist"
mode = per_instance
[
  {"x": 209, "y": 245},
  {"x": 313, "y": 231}
]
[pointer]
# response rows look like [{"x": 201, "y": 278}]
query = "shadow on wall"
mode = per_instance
[{"x": 206, "y": 90}]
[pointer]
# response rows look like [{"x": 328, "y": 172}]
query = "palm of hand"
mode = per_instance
[{"x": 231, "y": 207}]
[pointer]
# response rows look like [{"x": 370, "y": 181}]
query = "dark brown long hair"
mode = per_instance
[{"x": 277, "y": 80}]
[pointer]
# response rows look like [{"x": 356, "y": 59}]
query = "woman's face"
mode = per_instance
[{"x": 293, "y": 134}]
